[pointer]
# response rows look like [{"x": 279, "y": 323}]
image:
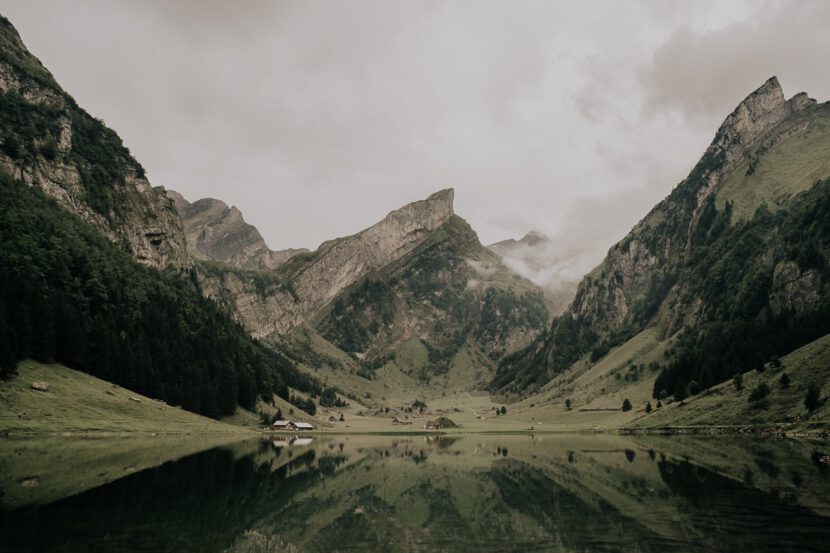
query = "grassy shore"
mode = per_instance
[{"x": 77, "y": 403}]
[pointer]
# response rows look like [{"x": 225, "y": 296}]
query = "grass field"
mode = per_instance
[
  {"x": 78, "y": 403},
  {"x": 597, "y": 391}
]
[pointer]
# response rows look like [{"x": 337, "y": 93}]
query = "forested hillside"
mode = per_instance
[{"x": 68, "y": 294}]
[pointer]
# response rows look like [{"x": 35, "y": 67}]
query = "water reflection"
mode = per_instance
[{"x": 505, "y": 493}]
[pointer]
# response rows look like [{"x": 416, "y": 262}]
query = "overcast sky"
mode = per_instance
[{"x": 317, "y": 118}]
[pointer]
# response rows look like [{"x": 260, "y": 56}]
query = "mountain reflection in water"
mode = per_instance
[{"x": 591, "y": 493}]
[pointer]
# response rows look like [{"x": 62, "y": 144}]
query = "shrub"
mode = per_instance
[
  {"x": 648, "y": 407},
  {"x": 784, "y": 381},
  {"x": 738, "y": 380},
  {"x": 626, "y": 406},
  {"x": 759, "y": 393},
  {"x": 568, "y": 404}
]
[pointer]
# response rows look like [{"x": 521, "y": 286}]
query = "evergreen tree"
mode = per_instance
[{"x": 811, "y": 400}]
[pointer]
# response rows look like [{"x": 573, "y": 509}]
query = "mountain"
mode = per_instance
[
  {"x": 536, "y": 257},
  {"x": 450, "y": 297},
  {"x": 94, "y": 267},
  {"x": 512, "y": 247},
  {"x": 272, "y": 302},
  {"x": 726, "y": 272},
  {"x": 49, "y": 142},
  {"x": 217, "y": 232},
  {"x": 414, "y": 291}
]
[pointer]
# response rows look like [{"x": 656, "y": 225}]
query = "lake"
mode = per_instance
[{"x": 481, "y": 493}]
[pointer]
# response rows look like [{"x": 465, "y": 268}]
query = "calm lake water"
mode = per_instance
[{"x": 575, "y": 493}]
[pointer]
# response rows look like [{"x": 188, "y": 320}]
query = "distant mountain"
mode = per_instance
[
  {"x": 450, "y": 297},
  {"x": 732, "y": 265},
  {"x": 272, "y": 302},
  {"x": 536, "y": 257},
  {"x": 217, "y": 232},
  {"x": 513, "y": 247},
  {"x": 417, "y": 282}
]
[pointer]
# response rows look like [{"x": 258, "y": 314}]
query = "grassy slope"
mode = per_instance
[
  {"x": 596, "y": 386},
  {"x": 79, "y": 403},
  {"x": 799, "y": 158},
  {"x": 724, "y": 405}
]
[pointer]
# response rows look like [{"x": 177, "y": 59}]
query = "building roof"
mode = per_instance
[
  {"x": 305, "y": 425},
  {"x": 282, "y": 423}
]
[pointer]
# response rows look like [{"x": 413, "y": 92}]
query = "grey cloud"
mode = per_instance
[{"x": 703, "y": 75}]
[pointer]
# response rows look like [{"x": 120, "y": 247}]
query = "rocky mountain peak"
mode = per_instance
[
  {"x": 429, "y": 214},
  {"x": 404, "y": 227},
  {"x": 217, "y": 232},
  {"x": 534, "y": 238},
  {"x": 758, "y": 113}
]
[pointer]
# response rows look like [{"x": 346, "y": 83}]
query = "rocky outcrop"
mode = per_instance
[
  {"x": 794, "y": 289},
  {"x": 48, "y": 142},
  {"x": 217, "y": 232},
  {"x": 340, "y": 263},
  {"x": 274, "y": 301}
]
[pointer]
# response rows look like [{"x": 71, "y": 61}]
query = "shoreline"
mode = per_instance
[{"x": 242, "y": 432}]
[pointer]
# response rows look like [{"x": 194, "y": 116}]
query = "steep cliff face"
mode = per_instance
[
  {"x": 217, "y": 232},
  {"x": 427, "y": 312},
  {"x": 274, "y": 301},
  {"x": 339, "y": 263},
  {"x": 47, "y": 141},
  {"x": 629, "y": 285},
  {"x": 766, "y": 155}
]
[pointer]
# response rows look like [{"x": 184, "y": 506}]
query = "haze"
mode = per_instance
[{"x": 317, "y": 118}]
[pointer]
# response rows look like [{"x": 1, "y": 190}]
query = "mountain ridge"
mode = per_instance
[
  {"x": 217, "y": 232},
  {"x": 644, "y": 279},
  {"x": 269, "y": 302}
]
